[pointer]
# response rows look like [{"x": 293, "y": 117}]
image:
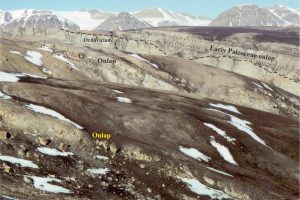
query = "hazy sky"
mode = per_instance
[{"x": 210, "y": 8}]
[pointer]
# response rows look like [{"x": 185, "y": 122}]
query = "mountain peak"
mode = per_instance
[{"x": 247, "y": 15}]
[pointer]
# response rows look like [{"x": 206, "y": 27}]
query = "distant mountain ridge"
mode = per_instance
[
  {"x": 161, "y": 17},
  {"x": 288, "y": 15},
  {"x": 95, "y": 19},
  {"x": 253, "y": 15},
  {"x": 244, "y": 15},
  {"x": 122, "y": 21}
]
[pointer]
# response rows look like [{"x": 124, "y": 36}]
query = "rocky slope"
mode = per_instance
[
  {"x": 100, "y": 115},
  {"x": 193, "y": 148}
]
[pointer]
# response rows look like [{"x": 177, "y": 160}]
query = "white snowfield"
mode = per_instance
[
  {"x": 61, "y": 57},
  {"x": 225, "y": 107},
  {"x": 143, "y": 59},
  {"x": 180, "y": 19},
  {"x": 124, "y": 100},
  {"x": 223, "y": 151},
  {"x": 197, "y": 187},
  {"x": 42, "y": 183},
  {"x": 194, "y": 153},
  {"x": 101, "y": 171},
  {"x": 34, "y": 57},
  {"x": 82, "y": 18},
  {"x": 220, "y": 132},
  {"x": 219, "y": 171},
  {"x": 53, "y": 152},
  {"x": 22, "y": 162},
  {"x": 46, "y": 111}
]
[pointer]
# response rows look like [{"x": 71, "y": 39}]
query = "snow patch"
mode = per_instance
[
  {"x": 194, "y": 153},
  {"x": 124, "y": 100},
  {"x": 118, "y": 92},
  {"x": 219, "y": 171},
  {"x": 195, "y": 186},
  {"x": 42, "y": 183},
  {"x": 143, "y": 59},
  {"x": 220, "y": 132},
  {"x": 22, "y": 162},
  {"x": 101, "y": 171},
  {"x": 9, "y": 77},
  {"x": 8, "y": 197},
  {"x": 266, "y": 86},
  {"x": 223, "y": 151},
  {"x": 102, "y": 157},
  {"x": 45, "y": 48},
  {"x": 53, "y": 152},
  {"x": 46, "y": 71},
  {"x": 33, "y": 76},
  {"x": 34, "y": 57},
  {"x": 4, "y": 96},
  {"x": 225, "y": 107},
  {"x": 257, "y": 85},
  {"x": 61, "y": 57},
  {"x": 46, "y": 111},
  {"x": 16, "y": 52}
]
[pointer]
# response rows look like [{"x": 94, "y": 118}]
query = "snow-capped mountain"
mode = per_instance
[
  {"x": 244, "y": 15},
  {"x": 85, "y": 19},
  {"x": 122, "y": 21},
  {"x": 247, "y": 15},
  {"x": 29, "y": 18},
  {"x": 161, "y": 17},
  {"x": 288, "y": 15}
]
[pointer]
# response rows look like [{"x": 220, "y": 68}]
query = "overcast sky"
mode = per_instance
[{"x": 207, "y": 8}]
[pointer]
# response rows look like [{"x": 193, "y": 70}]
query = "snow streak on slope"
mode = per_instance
[
  {"x": 53, "y": 152},
  {"x": 225, "y": 107},
  {"x": 223, "y": 151},
  {"x": 220, "y": 132},
  {"x": 200, "y": 189},
  {"x": 34, "y": 57},
  {"x": 47, "y": 111},
  {"x": 22, "y": 162},
  {"x": 194, "y": 153},
  {"x": 219, "y": 171},
  {"x": 42, "y": 183}
]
